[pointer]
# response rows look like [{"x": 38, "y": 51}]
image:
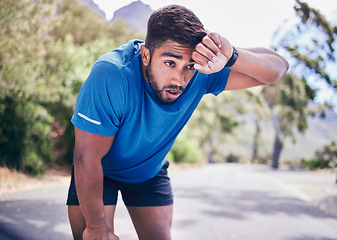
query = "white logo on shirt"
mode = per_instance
[{"x": 88, "y": 119}]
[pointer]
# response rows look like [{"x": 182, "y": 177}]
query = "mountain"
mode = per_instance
[
  {"x": 93, "y": 6},
  {"x": 135, "y": 14}
]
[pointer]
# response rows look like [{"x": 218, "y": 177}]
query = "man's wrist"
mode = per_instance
[
  {"x": 98, "y": 225},
  {"x": 233, "y": 58}
]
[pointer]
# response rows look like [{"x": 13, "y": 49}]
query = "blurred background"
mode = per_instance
[{"x": 47, "y": 49}]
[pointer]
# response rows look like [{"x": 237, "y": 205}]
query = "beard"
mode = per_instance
[{"x": 161, "y": 92}]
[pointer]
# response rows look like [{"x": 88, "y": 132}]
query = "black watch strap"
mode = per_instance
[{"x": 233, "y": 58}]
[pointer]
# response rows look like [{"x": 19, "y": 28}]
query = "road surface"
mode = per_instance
[{"x": 214, "y": 202}]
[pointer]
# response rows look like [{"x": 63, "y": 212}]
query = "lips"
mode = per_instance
[{"x": 173, "y": 94}]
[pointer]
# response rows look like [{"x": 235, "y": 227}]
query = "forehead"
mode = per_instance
[{"x": 173, "y": 49}]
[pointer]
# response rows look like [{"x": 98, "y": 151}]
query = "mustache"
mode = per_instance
[{"x": 173, "y": 87}]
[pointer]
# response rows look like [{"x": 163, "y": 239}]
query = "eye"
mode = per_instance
[
  {"x": 190, "y": 67},
  {"x": 170, "y": 64}
]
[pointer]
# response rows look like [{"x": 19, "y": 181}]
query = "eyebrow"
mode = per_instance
[{"x": 169, "y": 54}]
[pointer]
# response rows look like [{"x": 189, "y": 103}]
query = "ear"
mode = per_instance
[{"x": 145, "y": 55}]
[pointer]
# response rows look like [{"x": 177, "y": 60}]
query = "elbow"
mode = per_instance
[
  {"x": 281, "y": 70},
  {"x": 285, "y": 67}
]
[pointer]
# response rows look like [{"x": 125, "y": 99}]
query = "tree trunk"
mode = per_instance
[
  {"x": 278, "y": 146},
  {"x": 256, "y": 141},
  {"x": 210, "y": 155}
]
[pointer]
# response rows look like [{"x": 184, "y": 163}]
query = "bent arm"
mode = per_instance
[
  {"x": 88, "y": 152},
  {"x": 254, "y": 67}
]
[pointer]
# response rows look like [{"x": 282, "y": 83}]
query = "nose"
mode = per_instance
[{"x": 179, "y": 78}]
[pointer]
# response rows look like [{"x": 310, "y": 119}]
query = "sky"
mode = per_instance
[{"x": 245, "y": 23}]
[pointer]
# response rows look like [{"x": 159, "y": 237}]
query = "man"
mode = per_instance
[{"x": 131, "y": 108}]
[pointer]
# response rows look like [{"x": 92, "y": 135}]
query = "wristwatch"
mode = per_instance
[{"x": 233, "y": 58}]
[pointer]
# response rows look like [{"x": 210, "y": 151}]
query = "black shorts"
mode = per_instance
[{"x": 154, "y": 192}]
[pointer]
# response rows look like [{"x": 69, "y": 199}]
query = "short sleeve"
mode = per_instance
[
  {"x": 99, "y": 106},
  {"x": 217, "y": 81}
]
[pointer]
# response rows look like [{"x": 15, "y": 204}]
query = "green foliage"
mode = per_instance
[
  {"x": 46, "y": 51},
  {"x": 120, "y": 33},
  {"x": 76, "y": 19},
  {"x": 288, "y": 99},
  {"x": 169, "y": 157},
  {"x": 328, "y": 154},
  {"x": 313, "y": 164},
  {"x": 261, "y": 112},
  {"x": 324, "y": 158},
  {"x": 25, "y": 142},
  {"x": 213, "y": 120},
  {"x": 312, "y": 16},
  {"x": 232, "y": 158},
  {"x": 186, "y": 150},
  {"x": 309, "y": 44}
]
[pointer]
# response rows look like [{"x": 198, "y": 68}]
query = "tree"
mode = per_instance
[
  {"x": 85, "y": 26},
  {"x": 309, "y": 45},
  {"x": 41, "y": 72},
  {"x": 25, "y": 142},
  {"x": 79, "y": 21},
  {"x": 261, "y": 112},
  {"x": 214, "y": 118},
  {"x": 288, "y": 103}
]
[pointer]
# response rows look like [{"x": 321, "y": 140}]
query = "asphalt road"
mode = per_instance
[{"x": 219, "y": 201}]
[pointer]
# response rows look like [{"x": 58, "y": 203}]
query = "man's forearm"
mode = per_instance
[
  {"x": 264, "y": 65},
  {"x": 252, "y": 67},
  {"x": 89, "y": 187}
]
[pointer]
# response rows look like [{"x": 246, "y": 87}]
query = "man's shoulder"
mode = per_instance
[
  {"x": 118, "y": 69},
  {"x": 124, "y": 55}
]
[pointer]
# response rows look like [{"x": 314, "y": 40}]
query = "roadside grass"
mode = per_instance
[{"x": 13, "y": 181}]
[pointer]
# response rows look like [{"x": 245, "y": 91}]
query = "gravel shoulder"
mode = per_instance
[
  {"x": 14, "y": 182},
  {"x": 317, "y": 188}
]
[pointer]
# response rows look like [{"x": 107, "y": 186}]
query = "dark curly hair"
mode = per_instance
[{"x": 175, "y": 23}]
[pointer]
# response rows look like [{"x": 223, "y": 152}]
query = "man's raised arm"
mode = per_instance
[{"x": 252, "y": 67}]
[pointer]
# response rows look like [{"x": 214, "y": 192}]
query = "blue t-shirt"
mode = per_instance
[{"x": 116, "y": 100}]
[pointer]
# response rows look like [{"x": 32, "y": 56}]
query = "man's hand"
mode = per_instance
[
  {"x": 102, "y": 233},
  {"x": 212, "y": 54}
]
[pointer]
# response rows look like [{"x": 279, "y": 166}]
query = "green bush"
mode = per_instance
[
  {"x": 313, "y": 163},
  {"x": 169, "y": 157},
  {"x": 324, "y": 158},
  {"x": 232, "y": 158},
  {"x": 186, "y": 150},
  {"x": 33, "y": 164},
  {"x": 25, "y": 141}
]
